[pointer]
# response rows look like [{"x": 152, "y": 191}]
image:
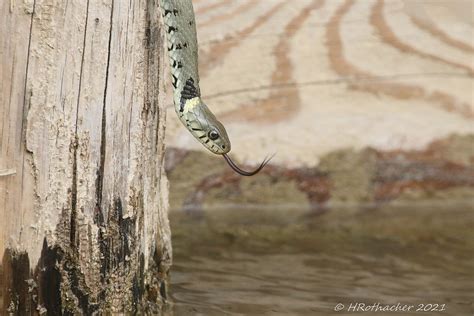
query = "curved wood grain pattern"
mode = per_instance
[
  {"x": 366, "y": 81},
  {"x": 271, "y": 72},
  {"x": 218, "y": 50},
  {"x": 389, "y": 36},
  {"x": 435, "y": 31},
  {"x": 281, "y": 103},
  {"x": 205, "y": 9},
  {"x": 243, "y": 8}
]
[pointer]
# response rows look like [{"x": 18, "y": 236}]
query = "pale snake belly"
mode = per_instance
[{"x": 180, "y": 29}]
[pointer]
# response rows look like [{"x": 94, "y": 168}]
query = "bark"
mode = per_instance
[{"x": 83, "y": 195}]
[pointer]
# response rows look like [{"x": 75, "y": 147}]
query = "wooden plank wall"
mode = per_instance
[{"x": 304, "y": 78}]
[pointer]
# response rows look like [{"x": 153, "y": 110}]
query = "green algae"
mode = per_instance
[
  {"x": 351, "y": 173},
  {"x": 187, "y": 175},
  {"x": 458, "y": 149},
  {"x": 261, "y": 190},
  {"x": 355, "y": 177}
]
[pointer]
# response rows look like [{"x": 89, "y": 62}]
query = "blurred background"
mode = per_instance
[{"x": 369, "y": 108}]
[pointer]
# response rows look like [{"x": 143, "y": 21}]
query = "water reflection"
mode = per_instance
[{"x": 264, "y": 262}]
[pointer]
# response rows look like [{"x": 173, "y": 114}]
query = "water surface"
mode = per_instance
[{"x": 291, "y": 262}]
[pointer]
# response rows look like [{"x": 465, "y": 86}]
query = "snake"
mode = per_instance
[{"x": 180, "y": 29}]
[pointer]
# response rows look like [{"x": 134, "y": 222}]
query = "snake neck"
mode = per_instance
[
  {"x": 188, "y": 110},
  {"x": 180, "y": 29},
  {"x": 201, "y": 123}
]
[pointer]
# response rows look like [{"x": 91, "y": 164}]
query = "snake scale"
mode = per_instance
[{"x": 180, "y": 29}]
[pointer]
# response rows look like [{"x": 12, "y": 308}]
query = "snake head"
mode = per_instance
[{"x": 205, "y": 127}]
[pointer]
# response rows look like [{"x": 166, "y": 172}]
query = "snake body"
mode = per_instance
[{"x": 180, "y": 29}]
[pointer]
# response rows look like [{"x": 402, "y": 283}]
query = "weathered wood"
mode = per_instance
[{"x": 83, "y": 195}]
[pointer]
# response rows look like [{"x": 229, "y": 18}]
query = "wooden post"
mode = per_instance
[{"x": 83, "y": 196}]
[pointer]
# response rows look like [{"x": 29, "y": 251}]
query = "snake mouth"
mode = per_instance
[{"x": 243, "y": 172}]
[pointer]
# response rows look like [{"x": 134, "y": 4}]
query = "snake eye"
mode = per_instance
[{"x": 213, "y": 135}]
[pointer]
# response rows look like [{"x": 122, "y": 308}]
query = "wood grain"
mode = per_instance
[
  {"x": 388, "y": 74},
  {"x": 83, "y": 194}
]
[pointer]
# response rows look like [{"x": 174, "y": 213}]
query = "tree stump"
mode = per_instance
[{"x": 83, "y": 195}]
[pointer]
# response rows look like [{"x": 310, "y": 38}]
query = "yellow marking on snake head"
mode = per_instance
[{"x": 190, "y": 104}]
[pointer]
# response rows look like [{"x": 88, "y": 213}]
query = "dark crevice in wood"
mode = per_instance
[
  {"x": 77, "y": 285},
  {"x": 26, "y": 101},
  {"x": 27, "y": 292},
  {"x": 49, "y": 279},
  {"x": 163, "y": 290},
  {"x": 61, "y": 89},
  {"x": 73, "y": 215},
  {"x": 137, "y": 288},
  {"x": 152, "y": 61},
  {"x": 117, "y": 242},
  {"x": 151, "y": 287},
  {"x": 129, "y": 141},
  {"x": 137, "y": 294},
  {"x": 126, "y": 229},
  {"x": 16, "y": 273},
  {"x": 82, "y": 64},
  {"x": 58, "y": 272},
  {"x": 100, "y": 172},
  {"x": 9, "y": 98},
  {"x": 99, "y": 215}
]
